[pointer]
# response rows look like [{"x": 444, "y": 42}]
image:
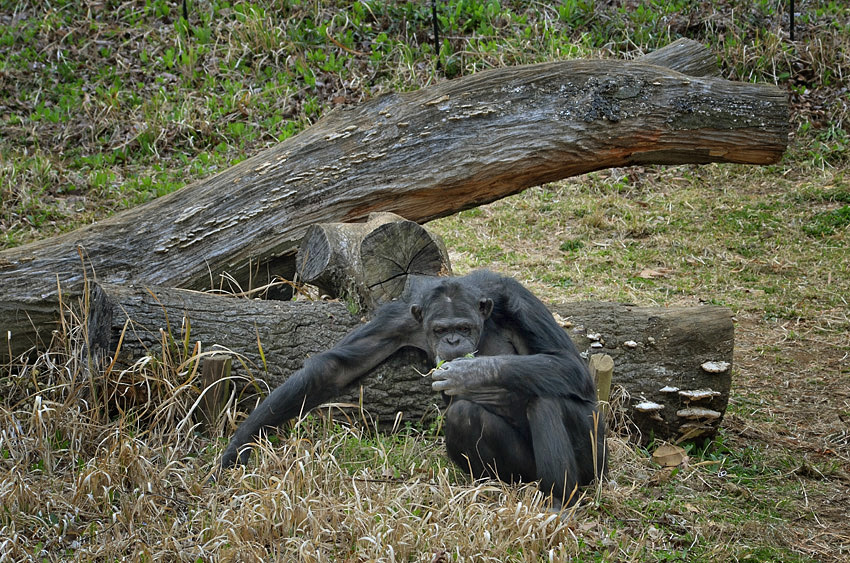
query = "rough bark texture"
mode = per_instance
[
  {"x": 289, "y": 332},
  {"x": 668, "y": 350},
  {"x": 686, "y": 56},
  {"x": 424, "y": 154},
  {"x": 659, "y": 354},
  {"x": 369, "y": 262}
]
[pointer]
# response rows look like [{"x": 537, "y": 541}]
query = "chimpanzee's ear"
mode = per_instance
[
  {"x": 416, "y": 311},
  {"x": 486, "y": 307}
]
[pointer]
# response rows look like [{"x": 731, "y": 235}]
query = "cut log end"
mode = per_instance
[
  {"x": 396, "y": 250},
  {"x": 661, "y": 356},
  {"x": 370, "y": 262}
]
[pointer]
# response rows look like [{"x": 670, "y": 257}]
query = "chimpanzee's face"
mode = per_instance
[{"x": 452, "y": 326}]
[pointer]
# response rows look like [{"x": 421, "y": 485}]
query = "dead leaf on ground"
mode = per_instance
[
  {"x": 651, "y": 274},
  {"x": 668, "y": 455}
]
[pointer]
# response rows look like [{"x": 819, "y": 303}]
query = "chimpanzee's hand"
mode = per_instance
[
  {"x": 232, "y": 456},
  {"x": 463, "y": 375}
]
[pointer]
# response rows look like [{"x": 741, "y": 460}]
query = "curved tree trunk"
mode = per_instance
[{"x": 423, "y": 154}]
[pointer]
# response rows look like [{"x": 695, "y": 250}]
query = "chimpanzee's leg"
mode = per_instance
[
  {"x": 568, "y": 446},
  {"x": 485, "y": 444}
]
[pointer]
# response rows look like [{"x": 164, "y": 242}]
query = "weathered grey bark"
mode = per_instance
[
  {"x": 423, "y": 154},
  {"x": 686, "y": 56},
  {"x": 674, "y": 363},
  {"x": 369, "y": 262},
  {"x": 670, "y": 346},
  {"x": 289, "y": 332}
]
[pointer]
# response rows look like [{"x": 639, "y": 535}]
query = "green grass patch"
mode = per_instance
[{"x": 828, "y": 223}]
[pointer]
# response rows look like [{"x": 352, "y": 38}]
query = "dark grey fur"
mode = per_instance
[{"x": 524, "y": 408}]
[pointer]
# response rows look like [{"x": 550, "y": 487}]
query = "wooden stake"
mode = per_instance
[
  {"x": 602, "y": 369},
  {"x": 216, "y": 387}
]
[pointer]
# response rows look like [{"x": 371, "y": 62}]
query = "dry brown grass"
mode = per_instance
[{"x": 78, "y": 483}]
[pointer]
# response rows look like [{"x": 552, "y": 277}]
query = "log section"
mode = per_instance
[
  {"x": 658, "y": 353},
  {"x": 369, "y": 262},
  {"x": 673, "y": 363}
]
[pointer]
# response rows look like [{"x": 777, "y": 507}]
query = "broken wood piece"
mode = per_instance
[
  {"x": 215, "y": 389},
  {"x": 601, "y": 368},
  {"x": 686, "y": 56},
  {"x": 369, "y": 262}
]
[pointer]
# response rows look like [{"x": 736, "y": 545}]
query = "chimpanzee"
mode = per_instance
[{"x": 521, "y": 403}]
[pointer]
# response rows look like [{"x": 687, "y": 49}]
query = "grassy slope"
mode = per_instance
[{"x": 109, "y": 105}]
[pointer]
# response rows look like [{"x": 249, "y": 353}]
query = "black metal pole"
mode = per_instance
[
  {"x": 791, "y": 26},
  {"x": 437, "y": 31}
]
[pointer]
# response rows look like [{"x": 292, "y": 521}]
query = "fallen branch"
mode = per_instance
[{"x": 423, "y": 154}]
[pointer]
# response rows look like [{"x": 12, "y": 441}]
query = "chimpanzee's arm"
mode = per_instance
[
  {"x": 324, "y": 375},
  {"x": 538, "y": 375},
  {"x": 548, "y": 364}
]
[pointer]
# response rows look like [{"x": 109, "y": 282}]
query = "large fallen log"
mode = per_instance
[
  {"x": 659, "y": 353},
  {"x": 423, "y": 154}
]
